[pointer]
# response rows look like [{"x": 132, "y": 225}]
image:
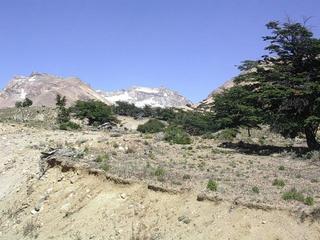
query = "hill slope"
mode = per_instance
[{"x": 42, "y": 89}]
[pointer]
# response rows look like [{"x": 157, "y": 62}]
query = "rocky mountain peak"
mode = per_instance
[
  {"x": 42, "y": 89},
  {"x": 141, "y": 96}
]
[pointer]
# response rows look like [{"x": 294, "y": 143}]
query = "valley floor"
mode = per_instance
[{"x": 77, "y": 205}]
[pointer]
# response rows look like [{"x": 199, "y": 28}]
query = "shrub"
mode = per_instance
[
  {"x": 281, "y": 168},
  {"x": 105, "y": 166},
  {"x": 309, "y": 201},
  {"x": 18, "y": 104},
  {"x": 159, "y": 172},
  {"x": 255, "y": 189},
  {"x": 293, "y": 194},
  {"x": 227, "y": 134},
  {"x": 69, "y": 126},
  {"x": 212, "y": 185},
  {"x": 152, "y": 126},
  {"x": 208, "y": 136},
  {"x": 102, "y": 158},
  {"x": 278, "y": 182},
  {"x": 96, "y": 112},
  {"x": 25, "y": 103},
  {"x": 177, "y": 135},
  {"x": 63, "y": 115}
]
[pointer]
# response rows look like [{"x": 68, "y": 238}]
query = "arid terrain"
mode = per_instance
[{"x": 121, "y": 184}]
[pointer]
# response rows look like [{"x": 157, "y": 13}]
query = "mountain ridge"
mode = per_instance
[{"x": 42, "y": 89}]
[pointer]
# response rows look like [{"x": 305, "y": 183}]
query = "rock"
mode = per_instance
[
  {"x": 65, "y": 208},
  {"x": 60, "y": 179},
  {"x": 123, "y": 195},
  {"x": 184, "y": 219},
  {"x": 264, "y": 222},
  {"x": 159, "y": 137},
  {"x": 33, "y": 212},
  {"x": 37, "y": 207}
]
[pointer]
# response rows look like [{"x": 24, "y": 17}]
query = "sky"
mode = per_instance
[{"x": 191, "y": 46}]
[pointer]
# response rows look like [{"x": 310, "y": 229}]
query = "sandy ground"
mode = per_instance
[{"x": 76, "y": 205}]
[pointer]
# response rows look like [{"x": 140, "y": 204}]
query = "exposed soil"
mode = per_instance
[{"x": 162, "y": 200}]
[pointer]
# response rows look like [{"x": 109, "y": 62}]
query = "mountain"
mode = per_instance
[
  {"x": 141, "y": 96},
  {"x": 42, "y": 89},
  {"x": 208, "y": 102}
]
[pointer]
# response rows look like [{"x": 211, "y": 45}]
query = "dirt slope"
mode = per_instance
[{"x": 77, "y": 205}]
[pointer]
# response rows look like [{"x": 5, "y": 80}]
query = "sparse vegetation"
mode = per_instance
[
  {"x": 309, "y": 201},
  {"x": 159, "y": 172},
  {"x": 102, "y": 158},
  {"x": 105, "y": 166},
  {"x": 278, "y": 183},
  {"x": 212, "y": 185},
  {"x": 30, "y": 229},
  {"x": 255, "y": 189},
  {"x": 294, "y": 194}
]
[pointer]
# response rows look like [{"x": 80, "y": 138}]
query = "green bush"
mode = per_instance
[
  {"x": 152, "y": 126},
  {"x": 105, "y": 166},
  {"x": 255, "y": 189},
  {"x": 159, "y": 172},
  {"x": 69, "y": 126},
  {"x": 293, "y": 194},
  {"x": 309, "y": 201},
  {"x": 95, "y": 112},
  {"x": 25, "y": 103},
  {"x": 227, "y": 134},
  {"x": 281, "y": 168},
  {"x": 212, "y": 185},
  {"x": 177, "y": 135},
  {"x": 208, "y": 136},
  {"x": 102, "y": 158}
]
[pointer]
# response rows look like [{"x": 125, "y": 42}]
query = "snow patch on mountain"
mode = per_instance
[{"x": 142, "y": 96}]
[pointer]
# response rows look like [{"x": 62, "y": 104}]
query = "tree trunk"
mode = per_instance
[
  {"x": 312, "y": 142},
  {"x": 249, "y": 133}
]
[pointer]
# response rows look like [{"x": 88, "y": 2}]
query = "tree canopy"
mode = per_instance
[{"x": 281, "y": 89}]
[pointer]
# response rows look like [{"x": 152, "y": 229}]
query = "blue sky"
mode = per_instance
[{"x": 191, "y": 46}]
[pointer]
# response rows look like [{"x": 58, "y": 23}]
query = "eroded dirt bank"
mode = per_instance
[
  {"x": 80, "y": 206},
  {"x": 74, "y": 204}
]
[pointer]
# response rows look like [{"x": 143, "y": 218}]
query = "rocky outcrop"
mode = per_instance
[
  {"x": 42, "y": 89},
  {"x": 141, "y": 96}
]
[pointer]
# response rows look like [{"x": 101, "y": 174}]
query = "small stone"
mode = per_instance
[
  {"x": 33, "y": 212},
  {"x": 184, "y": 219},
  {"x": 264, "y": 222},
  {"x": 37, "y": 208},
  {"x": 123, "y": 195}
]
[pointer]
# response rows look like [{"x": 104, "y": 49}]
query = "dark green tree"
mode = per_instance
[
  {"x": 95, "y": 112},
  {"x": 237, "y": 107},
  {"x": 27, "y": 102},
  {"x": 61, "y": 101},
  {"x": 285, "y": 84},
  {"x": 63, "y": 115}
]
